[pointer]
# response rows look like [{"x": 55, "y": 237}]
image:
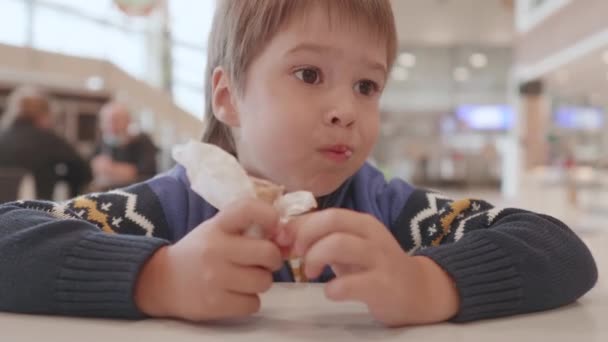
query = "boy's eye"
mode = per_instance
[
  {"x": 309, "y": 75},
  {"x": 366, "y": 87}
]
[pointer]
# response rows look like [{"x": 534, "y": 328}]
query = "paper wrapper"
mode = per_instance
[{"x": 218, "y": 177}]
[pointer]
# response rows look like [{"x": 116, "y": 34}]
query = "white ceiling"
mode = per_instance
[
  {"x": 430, "y": 84},
  {"x": 454, "y": 22},
  {"x": 583, "y": 81},
  {"x": 443, "y": 34}
]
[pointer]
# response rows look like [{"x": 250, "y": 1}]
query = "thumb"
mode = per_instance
[
  {"x": 286, "y": 232},
  {"x": 284, "y": 238}
]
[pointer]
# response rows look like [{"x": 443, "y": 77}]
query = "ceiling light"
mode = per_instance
[
  {"x": 400, "y": 74},
  {"x": 478, "y": 60},
  {"x": 461, "y": 74},
  {"x": 407, "y": 59}
]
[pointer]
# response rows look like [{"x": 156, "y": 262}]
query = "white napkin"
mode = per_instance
[{"x": 218, "y": 177}]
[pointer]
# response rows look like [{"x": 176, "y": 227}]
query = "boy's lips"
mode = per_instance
[{"x": 339, "y": 153}]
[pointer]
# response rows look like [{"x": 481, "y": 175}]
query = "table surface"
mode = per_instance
[{"x": 300, "y": 312}]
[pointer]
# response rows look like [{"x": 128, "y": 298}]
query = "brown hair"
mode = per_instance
[{"x": 242, "y": 28}]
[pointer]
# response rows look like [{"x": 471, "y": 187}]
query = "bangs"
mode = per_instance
[
  {"x": 251, "y": 24},
  {"x": 373, "y": 15}
]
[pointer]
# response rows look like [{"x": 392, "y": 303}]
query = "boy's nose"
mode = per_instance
[{"x": 340, "y": 118}]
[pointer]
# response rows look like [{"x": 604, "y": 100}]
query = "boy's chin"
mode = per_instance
[
  {"x": 319, "y": 185},
  {"x": 325, "y": 188}
]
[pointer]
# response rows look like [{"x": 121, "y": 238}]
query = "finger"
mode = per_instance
[
  {"x": 254, "y": 252},
  {"x": 338, "y": 249},
  {"x": 284, "y": 240},
  {"x": 244, "y": 214},
  {"x": 354, "y": 286},
  {"x": 284, "y": 237},
  {"x": 312, "y": 227},
  {"x": 248, "y": 280},
  {"x": 285, "y": 252}
]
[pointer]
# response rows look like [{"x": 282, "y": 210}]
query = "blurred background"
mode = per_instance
[{"x": 499, "y": 99}]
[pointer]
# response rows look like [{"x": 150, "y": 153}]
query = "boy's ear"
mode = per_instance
[{"x": 224, "y": 108}]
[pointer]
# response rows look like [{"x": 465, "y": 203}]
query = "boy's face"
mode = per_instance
[{"x": 308, "y": 117}]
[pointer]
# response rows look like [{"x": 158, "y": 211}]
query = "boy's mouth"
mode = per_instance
[{"x": 337, "y": 153}]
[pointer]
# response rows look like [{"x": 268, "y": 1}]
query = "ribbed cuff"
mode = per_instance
[
  {"x": 486, "y": 277},
  {"x": 99, "y": 274}
]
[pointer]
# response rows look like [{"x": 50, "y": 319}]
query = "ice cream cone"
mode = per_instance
[{"x": 269, "y": 193}]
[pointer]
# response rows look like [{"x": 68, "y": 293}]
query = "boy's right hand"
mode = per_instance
[{"x": 214, "y": 272}]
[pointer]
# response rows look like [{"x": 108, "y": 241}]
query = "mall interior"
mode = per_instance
[{"x": 503, "y": 100}]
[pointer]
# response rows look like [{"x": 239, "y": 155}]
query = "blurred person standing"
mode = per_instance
[
  {"x": 121, "y": 157},
  {"x": 27, "y": 141}
]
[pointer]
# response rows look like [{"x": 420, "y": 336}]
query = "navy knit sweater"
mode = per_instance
[{"x": 83, "y": 257}]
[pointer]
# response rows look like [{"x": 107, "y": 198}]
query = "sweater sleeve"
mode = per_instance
[
  {"x": 81, "y": 257},
  {"x": 503, "y": 261}
]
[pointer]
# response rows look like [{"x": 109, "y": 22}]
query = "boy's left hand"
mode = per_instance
[{"x": 371, "y": 267}]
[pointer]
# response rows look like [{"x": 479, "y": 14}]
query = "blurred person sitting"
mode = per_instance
[
  {"x": 27, "y": 141},
  {"x": 121, "y": 157}
]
